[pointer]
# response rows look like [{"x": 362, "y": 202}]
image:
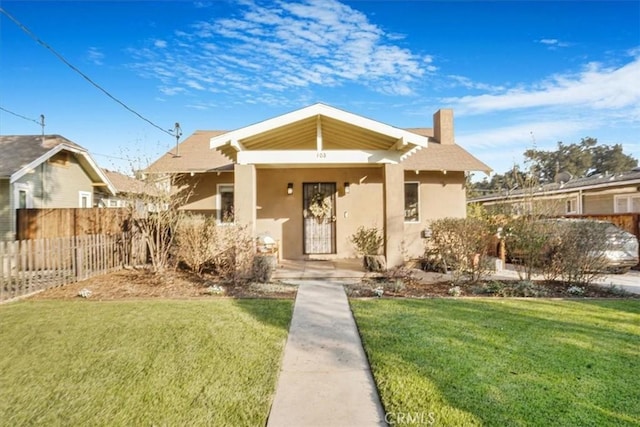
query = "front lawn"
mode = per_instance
[
  {"x": 140, "y": 362},
  {"x": 491, "y": 362}
]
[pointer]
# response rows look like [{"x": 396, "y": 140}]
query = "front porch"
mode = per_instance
[{"x": 350, "y": 268}]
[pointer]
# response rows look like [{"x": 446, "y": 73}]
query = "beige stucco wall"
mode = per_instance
[
  {"x": 441, "y": 195},
  {"x": 203, "y": 198},
  {"x": 280, "y": 215}
]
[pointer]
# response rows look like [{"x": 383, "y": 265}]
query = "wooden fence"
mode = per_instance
[
  {"x": 27, "y": 266},
  {"x": 66, "y": 222},
  {"x": 627, "y": 221}
]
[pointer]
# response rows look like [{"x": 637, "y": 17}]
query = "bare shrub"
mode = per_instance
[
  {"x": 233, "y": 251},
  {"x": 154, "y": 211},
  {"x": 572, "y": 251},
  {"x": 528, "y": 241},
  {"x": 579, "y": 251},
  {"x": 193, "y": 241},
  {"x": 461, "y": 245},
  {"x": 397, "y": 278},
  {"x": 227, "y": 250}
]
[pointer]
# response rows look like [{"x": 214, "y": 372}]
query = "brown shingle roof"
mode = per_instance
[
  {"x": 438, "y": 157},
  {"x": 125, "y": 184},
  {"x": 194, "y": 155},
  {"x": 20, "y": 150}
]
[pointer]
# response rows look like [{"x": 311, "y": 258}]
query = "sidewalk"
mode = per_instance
[{"x": 325, "y": 378}]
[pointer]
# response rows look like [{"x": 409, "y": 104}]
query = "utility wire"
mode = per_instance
[
  {"x": 60, "y": 57},
  {"x": 21, "y": 116}
]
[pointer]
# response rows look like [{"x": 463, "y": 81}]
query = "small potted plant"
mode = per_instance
[{"x": 368, "y": 242}]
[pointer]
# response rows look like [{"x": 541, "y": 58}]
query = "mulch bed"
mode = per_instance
[
  {"x": 171, "y": 284},
  {"x": 487, "y": 288},
  {"x": 177, "y": 284}
]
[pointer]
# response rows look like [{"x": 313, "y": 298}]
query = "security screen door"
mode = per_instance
[{"x": 319, "y": 201}]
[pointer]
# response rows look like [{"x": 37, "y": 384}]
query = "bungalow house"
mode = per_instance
[
  {"x": 598, "y": 194},
  {"x": 45, "y": 171},
  {"x": 310, "y": 178},
  {"x": 128, "y": 190}
]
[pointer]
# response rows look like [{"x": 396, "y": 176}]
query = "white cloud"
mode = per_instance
[
  {"x": 274, "y": 47},
  {"x": 170, "y": 91},
  {"x": 553, "y": 43},
  {"x": 594, "y": 88},
  {"x": 521, "y": 134},
  {"x": 194, "y": 85},
  {"x": 95, "y": 55},
  {"x": 598, "y": 101}
]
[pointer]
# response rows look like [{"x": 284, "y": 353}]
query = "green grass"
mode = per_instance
[
  {"x": 498, "y": 362},
  {"x": 140, "y": 363}
]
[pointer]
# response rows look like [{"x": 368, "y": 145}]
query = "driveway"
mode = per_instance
[{"x": 630, "y": 281}]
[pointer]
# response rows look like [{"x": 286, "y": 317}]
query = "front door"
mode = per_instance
[{"x": 319, "y": 213}]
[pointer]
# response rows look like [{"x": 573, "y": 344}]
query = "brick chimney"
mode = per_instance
[{"x": 443, "y": 126}]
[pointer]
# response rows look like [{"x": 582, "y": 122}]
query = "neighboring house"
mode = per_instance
[
  {"x": 600, "y": 194},
  {"x": 46, "y": 171},
  {"x": 128, "y": 190},
  {"x": 312, "y": 177}
]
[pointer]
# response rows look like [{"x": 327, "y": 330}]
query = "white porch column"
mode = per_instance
[
  {"x": 393, "y": 213},
  {"x": 244, "y": 196}
]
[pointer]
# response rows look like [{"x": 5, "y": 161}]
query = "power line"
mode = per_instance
[
  {"x": 87, "y": 78},
  {"x": 20, "y": 115}
]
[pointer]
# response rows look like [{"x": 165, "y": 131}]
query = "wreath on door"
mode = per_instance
[{"x": 320, "y": 207}]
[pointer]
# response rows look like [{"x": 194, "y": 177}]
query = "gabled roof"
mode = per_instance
[
  {"x": 193, "y": 155},
  {"x": 444, "y": 157},
  {"x": 318, "y": 126},
  {"x": 299, "y": 130},
  {"x": 22, "y": 153},
  {"x": 125, "y": 184}
]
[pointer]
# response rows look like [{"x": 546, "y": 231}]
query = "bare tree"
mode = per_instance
[{"x": 154, "y": 209}]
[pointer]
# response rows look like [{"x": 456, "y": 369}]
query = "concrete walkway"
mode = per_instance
[{"x": 325, "y": 378}]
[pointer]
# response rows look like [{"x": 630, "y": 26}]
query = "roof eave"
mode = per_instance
[
  {"x": 235, "y": 137},
  {"x": 63, "y": 146}
]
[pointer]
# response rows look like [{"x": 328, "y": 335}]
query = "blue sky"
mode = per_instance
[{"x": 517, "y": 74}]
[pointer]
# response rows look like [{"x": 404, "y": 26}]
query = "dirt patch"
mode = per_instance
[{"x": 144, "y": 284}]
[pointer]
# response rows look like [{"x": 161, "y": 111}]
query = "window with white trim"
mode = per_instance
[
  {"x": 85, "y": 199},
  {"x": 23, "y": 196},
  {"x": 412, "y": 202},
  {"x": 225, "y": 203},
  {"x": 571, "y": 206},
  {"x": 626, "y": 203}
]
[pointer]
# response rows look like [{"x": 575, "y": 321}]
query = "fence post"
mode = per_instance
[{"x": 78, "y": 255}]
